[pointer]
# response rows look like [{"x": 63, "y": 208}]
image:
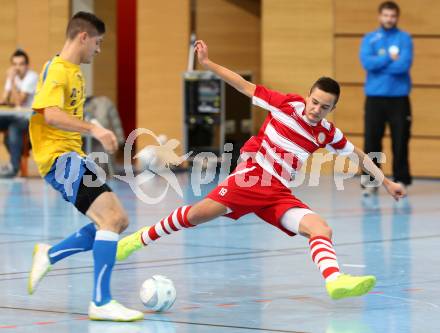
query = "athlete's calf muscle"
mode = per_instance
[
  {"x": 313, "y": 225},
  {"x": 107, "y": 212}
]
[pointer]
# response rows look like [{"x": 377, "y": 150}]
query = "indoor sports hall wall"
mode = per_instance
[
  {"x": 233, "y": 30},
  {"x": 105, "y": 65},
  {"x": 297, "y": 47},
  {"x": 162, "y": 52},
  {"x": 36, "y": 26},
  {"x": 420, "y": 18}
]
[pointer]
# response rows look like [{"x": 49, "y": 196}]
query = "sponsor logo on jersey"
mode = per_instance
[{"x": 321, "y": 137}]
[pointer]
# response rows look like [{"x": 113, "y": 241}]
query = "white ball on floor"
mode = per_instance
[{"x": 158, "y": 293}]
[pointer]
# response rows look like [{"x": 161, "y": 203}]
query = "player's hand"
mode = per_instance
[
  {"x": 394, "y": 56},
  {"x": 11, "y": 73},
  {"x": 201, "y": 49},
  {"x": 106, "y": 137},
  {"x": 396, "y": 190}
]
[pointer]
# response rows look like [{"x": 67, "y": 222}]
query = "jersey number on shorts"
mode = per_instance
[{"x": 223, "y": 191}]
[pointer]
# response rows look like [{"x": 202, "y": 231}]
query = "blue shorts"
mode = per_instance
[{"x": 68, "y": 176}]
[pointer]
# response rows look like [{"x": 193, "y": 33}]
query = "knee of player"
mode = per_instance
[
  {"x": 196, "y": 215},
  {"x": 320, "y": 228},
  {"x": 120, "y": 220},
  {"x": 326, "y": 230},
  {"x": 124, "y": 222}
]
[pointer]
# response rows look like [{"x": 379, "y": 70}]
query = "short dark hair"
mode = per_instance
[
  {"x": 328, "y": 85},
  {"x": 20, "y": 53},
  {"x": 389, "y": 5},
  {"x": 83, "y": 21}
]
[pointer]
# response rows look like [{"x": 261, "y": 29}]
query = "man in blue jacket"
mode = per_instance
[{"x": 386, "y": 55}]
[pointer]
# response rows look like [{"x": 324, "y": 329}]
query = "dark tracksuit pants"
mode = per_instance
[{"x": 395, "y": 111}]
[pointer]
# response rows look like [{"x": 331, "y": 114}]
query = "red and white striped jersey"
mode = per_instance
[{"x": 286, "y": 139}]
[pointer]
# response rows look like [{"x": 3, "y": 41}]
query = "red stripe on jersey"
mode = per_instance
[
  {"x": 340, "y": 144},
  {"x": 277, "y": 167},
  {"x": 332, "y": 131},
  {"x": 288, "y": 158},
  {"x": 303, "y": 124},
  {"x": 281, "y": 170},
  {"x": 329, "y": 133},
  {"x": 294, "y": 137},
  {"x": 263, "y": 93},
  {"x": 268, "y": 119},
  {"x": 272, "y": 97}
]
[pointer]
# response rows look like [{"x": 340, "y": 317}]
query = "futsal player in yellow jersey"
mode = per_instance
[{"x": 55, "y": 131}]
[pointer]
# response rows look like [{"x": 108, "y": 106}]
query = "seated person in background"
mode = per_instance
[
  {"x": 19, "y": 90},
  {"x": 100, "y": 110}
]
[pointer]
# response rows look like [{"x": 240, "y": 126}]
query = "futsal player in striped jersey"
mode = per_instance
[
  {"x": 294, "y": 128},
  {"x": 55, "y": 131}
]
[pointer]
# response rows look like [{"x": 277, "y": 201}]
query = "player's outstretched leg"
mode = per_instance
[
  {"x": 108, "y": 213},
  {"x": 181, "y": 218},
  {"x": 338, "y": 285},
  {"x": 45, "y": 256}
]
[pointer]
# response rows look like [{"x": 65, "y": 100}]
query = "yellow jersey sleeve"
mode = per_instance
[{"x": 50, "y": 90}]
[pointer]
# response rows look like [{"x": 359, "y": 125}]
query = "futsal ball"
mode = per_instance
[{"x": 158, "y": 293}]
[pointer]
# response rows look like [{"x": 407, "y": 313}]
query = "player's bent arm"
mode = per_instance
[
  {"x": 367, "y": 165},
  {"x": 55, "y": 117},
  {"x": 245, "y": 87}
]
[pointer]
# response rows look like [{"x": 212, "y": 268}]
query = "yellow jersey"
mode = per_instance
[{"x": 61, "y": 84}]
